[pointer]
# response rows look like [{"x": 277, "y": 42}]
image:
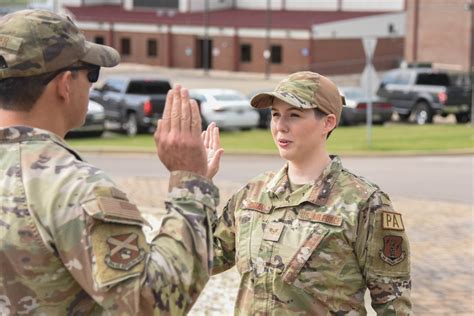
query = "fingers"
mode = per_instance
[
  {"x": 216, "y": 139},
  {"x": 165, "y": 122},
  {"x": 185, "y": 111},
  {"x": 208, "y": 134},
  {"x": 195, "y": 118},
  {"x": 176, "y": 109}
]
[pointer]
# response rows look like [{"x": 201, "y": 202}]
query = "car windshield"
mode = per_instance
[{"x": 229, "y": 97}]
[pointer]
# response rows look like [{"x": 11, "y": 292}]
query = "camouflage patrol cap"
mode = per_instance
[
  {"x": 305, "y": 90},
  {"x": 34, "y": 42}
]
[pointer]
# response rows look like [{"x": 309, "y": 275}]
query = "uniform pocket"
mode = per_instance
[
  {"x": 301, "y": 256},
  {"x": 249, "y": 233}
]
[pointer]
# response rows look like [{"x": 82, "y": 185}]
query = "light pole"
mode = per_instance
[
  {"x": 205, "y": 48},
  {"x": 267, "y": 52},
  {"x": 470, "y": 7}
]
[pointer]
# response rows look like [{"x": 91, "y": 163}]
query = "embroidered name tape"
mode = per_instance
[{"x": 334, "y": 220}]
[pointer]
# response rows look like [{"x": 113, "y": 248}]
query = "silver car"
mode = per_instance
[
  {"x": 355, "y": 110},
  {"x": 229, "y": 109}
]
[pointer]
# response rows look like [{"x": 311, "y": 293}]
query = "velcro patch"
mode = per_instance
[
  {"x": 120, "y": 211},
  {"x": 392, "y": 251},
  {"x": 124, "y": 252},
  {"x": 120, "y": 253},
  {"x": 273, "y": 231},
  {"x": 10, "y": 42},
  {"x": 392, "y": 221},
  {"x": 334, "y": 220}
]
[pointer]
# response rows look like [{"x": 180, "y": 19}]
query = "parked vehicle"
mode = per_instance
[
  {"x": 94, "y": 124},
  {"x": 421, "y": 93},
  {"x": 228, "y": 108},
  {"x": 132, "y": 103},
  {"x": 265, "y": 114},
  {"x": 355, "y": 110}
]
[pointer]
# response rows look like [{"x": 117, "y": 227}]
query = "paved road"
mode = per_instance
[{"x": 438, "y": 178}]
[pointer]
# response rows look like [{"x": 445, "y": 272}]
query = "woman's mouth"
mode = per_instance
[{"x": 283, "y": 143}]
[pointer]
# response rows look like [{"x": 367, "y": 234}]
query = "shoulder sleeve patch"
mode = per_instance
[
  {"x": 120, "y": 253},
  {"x": 392, "y": 221}
]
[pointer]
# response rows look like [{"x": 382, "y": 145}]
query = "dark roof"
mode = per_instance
[{"x": 222, "y": 18}]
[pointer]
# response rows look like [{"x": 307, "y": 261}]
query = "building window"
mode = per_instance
[
  {"x": 125, "y": 47},
  {"x": 165, "y": 4},
  {"x": 276, "y": 54},
  {"x": 152, "y": 48},
  {"x": 245, "y": 53},
  {"x": 99, "y": 40}
]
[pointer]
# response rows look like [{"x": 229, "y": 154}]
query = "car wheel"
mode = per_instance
[
  {"x": 463, "y": 117},
  {"x": 131, "y": 125},
  {"x": 422, "y": 113}
]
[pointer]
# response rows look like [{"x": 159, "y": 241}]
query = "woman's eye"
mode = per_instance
[
  {"x": 294, "y": 115},
  {"x": 275, "y": 114}
]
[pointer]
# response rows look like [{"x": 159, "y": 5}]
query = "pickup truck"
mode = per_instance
[
  {"x": 421, "y": 93},
  {"x": 133, "y": 104}
]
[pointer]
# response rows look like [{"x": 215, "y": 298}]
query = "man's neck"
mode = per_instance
[{"x": 31, "y": 119}]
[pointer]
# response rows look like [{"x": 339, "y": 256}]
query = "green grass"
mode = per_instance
[{"x": 345, "y": 140}]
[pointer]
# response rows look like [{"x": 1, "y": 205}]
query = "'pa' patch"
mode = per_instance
[
  {"x": 124, "y": 252},
  {"x": 393, "y": 221},
  {"x": 392, "y": 251},
  {"x": 273, "y": 231}
]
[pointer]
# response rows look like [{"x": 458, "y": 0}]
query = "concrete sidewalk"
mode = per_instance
[{"x": 441, "y": 240}]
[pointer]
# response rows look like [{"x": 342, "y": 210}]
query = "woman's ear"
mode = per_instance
[
  {"x": 64, "y": 86},
  {"x": 330, "y": 122}
]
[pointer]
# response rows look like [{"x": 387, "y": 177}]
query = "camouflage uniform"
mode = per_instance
[
  {"x": 314, "y": 250},
  {"x": 72, "y": 243}
]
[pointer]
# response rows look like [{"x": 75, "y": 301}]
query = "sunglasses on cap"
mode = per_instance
[{"x": 92, "y": 73}]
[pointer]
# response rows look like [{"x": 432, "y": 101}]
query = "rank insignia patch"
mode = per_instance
[
  {"x": 392, "y": 252},
  {"x": 393, "y": 221},
  {"x": 124, "y": 252},
  {"x": 273, "y": 231}
]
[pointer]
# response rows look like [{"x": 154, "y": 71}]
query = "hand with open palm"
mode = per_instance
[{"x": 212, "y": 143}]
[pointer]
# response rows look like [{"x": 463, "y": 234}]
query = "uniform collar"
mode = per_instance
[
  {"x": 279, "y": 186},
  {"x": 18, "y": 134}
]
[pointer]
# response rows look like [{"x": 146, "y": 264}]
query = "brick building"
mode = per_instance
[
  {"x": 239, "y": 39},
  {"x": 441, "y": 32}
]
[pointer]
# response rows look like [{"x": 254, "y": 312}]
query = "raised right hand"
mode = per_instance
[{"x": 178, "y": 135}]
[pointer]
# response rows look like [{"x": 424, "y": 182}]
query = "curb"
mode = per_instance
[{"x": 143, "y": 151}]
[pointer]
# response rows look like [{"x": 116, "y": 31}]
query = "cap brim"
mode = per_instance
[
  {"x": 101, "y": 55},
  {"x": 265, "y": 100}
]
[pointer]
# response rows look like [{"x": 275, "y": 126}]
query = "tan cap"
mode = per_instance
[
  {"x": 306, "y": 90},
  {"x": 33, "y": 42}
]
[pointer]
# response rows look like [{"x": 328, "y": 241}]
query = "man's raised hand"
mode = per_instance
[{"x": 178, "y": 135}]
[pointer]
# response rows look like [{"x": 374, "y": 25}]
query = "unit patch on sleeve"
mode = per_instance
[
  {"x": 392, "y": 251},
  {"x": 393, "y": 221},
  {"x": 124, "y": 252}
]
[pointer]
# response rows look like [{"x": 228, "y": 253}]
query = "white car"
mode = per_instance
[
  {"x": 228, "y": 108},
  {"x": 94, "y": 123}
]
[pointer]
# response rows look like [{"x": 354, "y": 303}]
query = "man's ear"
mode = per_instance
[
  {"x": 64, "y": 86},
  {"x": 329, "y": 123}
]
